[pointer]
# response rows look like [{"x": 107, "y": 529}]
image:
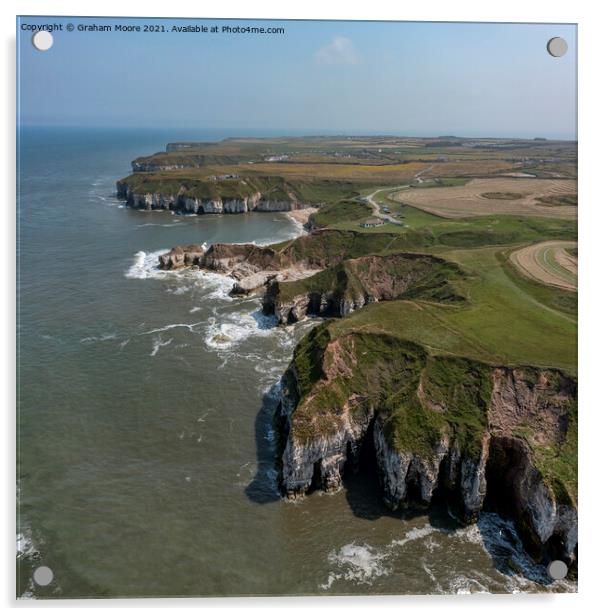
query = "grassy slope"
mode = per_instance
[
  {"x": 306, "y": 190},
  {"x": 502, "y": 323},
  {"x": 429, "y": 278}
]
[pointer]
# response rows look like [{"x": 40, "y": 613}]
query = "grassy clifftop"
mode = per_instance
[
  {"x": 395, "y": 276},
  {"x": 397, "y": 377},
  {"x": 205, "y": 185},
  {"x": 427, "y": 397}
]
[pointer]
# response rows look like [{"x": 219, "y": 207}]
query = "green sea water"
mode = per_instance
[{"x": 146, "y": 454}]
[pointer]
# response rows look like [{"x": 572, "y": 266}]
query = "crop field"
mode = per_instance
[
  {"x": 358, "y": 172},
  {"x": 548, "y": 262},
  {"x": 478, "y": 198}
]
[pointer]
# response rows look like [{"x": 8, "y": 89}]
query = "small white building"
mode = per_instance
[{"x": 372, "y": 222}]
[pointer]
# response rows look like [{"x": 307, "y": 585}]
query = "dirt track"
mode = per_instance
[
  {"x": 548, "y": 262},
  {"x": 468, "y": 200}
]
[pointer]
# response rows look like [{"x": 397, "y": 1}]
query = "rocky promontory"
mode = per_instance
[
  {"x": 434, "y": 426},
  {"x": 307, "y": 277},
  {"x": 353, "y": 283},
  {"x": 251, "y": 267}
]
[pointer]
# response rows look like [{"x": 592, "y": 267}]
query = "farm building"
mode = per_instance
[{"x": 372, "y": 222}]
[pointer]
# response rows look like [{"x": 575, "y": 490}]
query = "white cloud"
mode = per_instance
[{"x": 339, "y": 51}]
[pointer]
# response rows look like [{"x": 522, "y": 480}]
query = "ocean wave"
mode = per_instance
[
  {"x": 158, "y": 343},
  {"x": 462, "y": 585},
  {"x": 412, "y": 535},
  {"x": 227, "y": 330},
  {"x": 25, "y": 545},
  {"x": 165, "y": 328},
  {"x": 180, "y": 290},
  {"x": 358, "y": 563},
  {"x": 500, "y": 539},
  {"x": 101, "y": 338},
  {"x": 363, "y": 563},
  {"x": 176, "y": 223},
  {"x": 145, "y": 266}
]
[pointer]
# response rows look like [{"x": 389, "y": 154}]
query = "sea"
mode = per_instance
[{"x": 146, "y": 455}]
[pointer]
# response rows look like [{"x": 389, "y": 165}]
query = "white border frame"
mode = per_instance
[{"x": 590, "y": 221}]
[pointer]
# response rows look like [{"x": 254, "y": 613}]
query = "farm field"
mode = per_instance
[
  {"x": 485, "y": 196},
  {"x": 548, "y": 262}
]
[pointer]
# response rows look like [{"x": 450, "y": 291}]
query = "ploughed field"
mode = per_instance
[
  {"x": 485, "y": 196},
  {"x": 553, "y": 263}
]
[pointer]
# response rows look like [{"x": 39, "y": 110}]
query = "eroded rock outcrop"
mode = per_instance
[
  {"x": 353, "y": 283},
  {"x": 472, "y": 433},
  {"x": 250, "y": 266}
]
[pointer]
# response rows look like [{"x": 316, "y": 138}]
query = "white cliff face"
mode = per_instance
[
  {"x": 473, "y": 484},
  {"x": 316, "y": 304},
  {"x": 193, "y": 205},
  {"x": 399, "y": 470},
  {"x": 547, "y": 524},
  {"x": 320, "y": 462},
  {"x": 538, "y": 512},
  {"x": 393, "y": 467}
]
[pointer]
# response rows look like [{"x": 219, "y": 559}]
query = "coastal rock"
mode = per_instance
[
  {"x": 353, "y": 283},
  {"x": 189, "y": 204},
  {"x": 248, "y": 284},
  {"x": 472, "y": 441},
  {"x": 319, "y": 462},
  {"x": 182, "y": 256}
]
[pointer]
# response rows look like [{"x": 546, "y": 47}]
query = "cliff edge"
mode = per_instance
[{"x": 478, "y": 435}]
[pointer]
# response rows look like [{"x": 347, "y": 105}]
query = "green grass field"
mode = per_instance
[{"x": 503, "y": 323}]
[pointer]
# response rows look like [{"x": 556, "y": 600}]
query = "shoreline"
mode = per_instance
[{"x": 301, "y": 216}]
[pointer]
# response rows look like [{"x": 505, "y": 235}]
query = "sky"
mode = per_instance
[{"x": 319, "y": 77}]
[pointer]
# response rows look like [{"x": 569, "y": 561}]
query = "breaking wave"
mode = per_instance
[
  {"x": 514, "y": 571},
  {"x": 357, "y": 563}
]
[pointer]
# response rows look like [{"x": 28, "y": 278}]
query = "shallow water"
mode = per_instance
[{"x": 146, "y": 452}]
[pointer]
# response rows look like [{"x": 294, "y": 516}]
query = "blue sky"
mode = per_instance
[{"x": 327, "y": 77}]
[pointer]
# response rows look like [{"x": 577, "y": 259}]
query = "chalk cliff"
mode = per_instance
[
  {"x": 179, "y": 201},
  {"x": 472, "y": 433},
  {"x": 353, "y": 283}
]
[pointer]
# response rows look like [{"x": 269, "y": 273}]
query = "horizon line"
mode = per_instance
[{"x": 302, "y": 132}]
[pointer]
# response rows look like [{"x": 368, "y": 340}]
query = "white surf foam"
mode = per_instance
[
  {"x": 165, "y": 328},
  {"x": 25, "y": 545},
  {"x": 363, "y": 563},
  {"x": 229, "y": 330},
  {"x": 145, "y": 265},
  {"x": 358, "y": 563},
  {"x": 101, "y": 338},
  {"x": 158, "y": 343}
]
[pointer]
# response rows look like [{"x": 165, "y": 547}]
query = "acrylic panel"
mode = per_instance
[{"x": 297, "y": 307}]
